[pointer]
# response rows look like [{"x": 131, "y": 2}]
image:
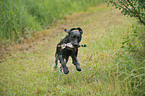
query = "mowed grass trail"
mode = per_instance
[{"x": 29, "y": 72}]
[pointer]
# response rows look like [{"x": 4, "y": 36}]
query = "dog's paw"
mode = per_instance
[
  {"x": 66, "y": 71},
  {"x": 78, "y": 68}
]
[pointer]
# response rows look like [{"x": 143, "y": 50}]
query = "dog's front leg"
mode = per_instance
[
  {"x": 76, "y": 63},
  {"x": 63, "y": 63}
]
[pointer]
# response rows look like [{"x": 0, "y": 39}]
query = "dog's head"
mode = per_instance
[{"x": 74, "y": 36}]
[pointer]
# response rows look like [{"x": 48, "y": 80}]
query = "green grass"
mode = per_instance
[
  {"x": 20, "y": 19},
  {"x": 108, "y": 69}
]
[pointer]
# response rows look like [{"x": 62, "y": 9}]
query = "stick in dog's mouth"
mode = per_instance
[{"x": 69, "y": 45}]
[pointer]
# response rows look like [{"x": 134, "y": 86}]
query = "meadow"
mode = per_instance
[
  {"x": 20, "y": 19},
  {"x": 112, "y": 64}
]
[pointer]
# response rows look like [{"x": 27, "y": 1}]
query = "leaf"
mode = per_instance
[
  {"x": 122, "y": 11},
  {"x": 122, "y": 46},
  {"x": 116, "y": 7},
  {"x": 125, "y": 13},
  {"x": 123, "y": 43}
]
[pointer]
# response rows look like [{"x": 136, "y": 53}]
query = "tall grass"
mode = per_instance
[
  {"x": 20, "y": 18},
  {"x": 132, "y": 63}
]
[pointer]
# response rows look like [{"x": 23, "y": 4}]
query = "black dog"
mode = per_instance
[{"x": 63, "y": 52}]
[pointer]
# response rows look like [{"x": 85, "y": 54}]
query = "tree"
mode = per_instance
[{"x": 133, "y": 8}]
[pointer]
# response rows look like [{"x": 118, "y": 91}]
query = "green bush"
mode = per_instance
[{"x": 133, "y": 8}]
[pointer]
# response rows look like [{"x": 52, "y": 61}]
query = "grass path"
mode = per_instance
[{"x": 30, "y": 72}]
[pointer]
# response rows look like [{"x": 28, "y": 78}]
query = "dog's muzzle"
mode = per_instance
[{"x": 76, "y": 45}]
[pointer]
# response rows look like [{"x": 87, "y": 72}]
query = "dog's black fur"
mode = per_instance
[{"x": 74, "y": 37}]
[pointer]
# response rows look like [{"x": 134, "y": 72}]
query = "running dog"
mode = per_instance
[{"x": 68, "y": 46}]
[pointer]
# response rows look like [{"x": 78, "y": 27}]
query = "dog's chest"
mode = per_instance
[{"x": 67, "y": 52}]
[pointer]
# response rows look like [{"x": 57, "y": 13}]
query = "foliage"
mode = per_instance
[
  {"x": 21, "y": 18},
  {"x": 133, "y": 8}
]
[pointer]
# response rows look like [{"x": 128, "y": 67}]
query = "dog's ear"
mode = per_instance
[
  {"x": 66, "y": 30},
  {"x": 80, "y": 30},
  {"x": 73, "y": 29},
  {"x": 69, "y": 31}
]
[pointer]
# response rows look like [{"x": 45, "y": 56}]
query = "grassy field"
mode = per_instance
[
  {"x": 112, "y": 63},
  {"x": 20, "y": 19}
]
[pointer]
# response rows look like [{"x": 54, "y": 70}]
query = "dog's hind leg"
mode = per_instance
[
  {"x": 56, "y": 61},
  {"x": 65, "y": 60}
]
